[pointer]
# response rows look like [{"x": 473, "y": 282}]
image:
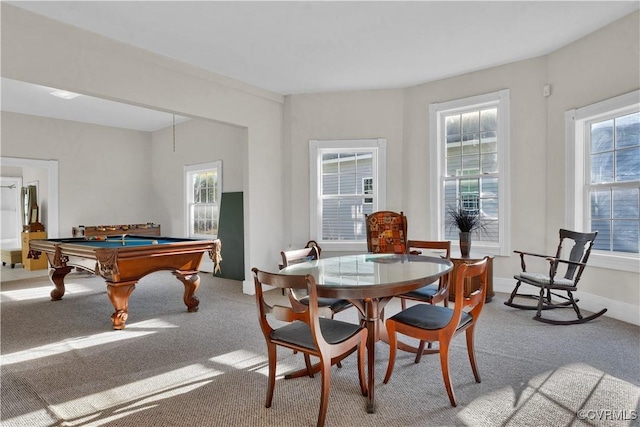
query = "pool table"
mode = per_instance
[{"x": 123, "y": 261}]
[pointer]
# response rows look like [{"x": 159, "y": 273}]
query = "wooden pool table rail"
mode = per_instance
[{"x": 122, "y": 267}]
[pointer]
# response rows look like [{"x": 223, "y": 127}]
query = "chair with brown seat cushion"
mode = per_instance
[
  {"x": 550, "y": 283},
  {"x": 435, "y": 323},
  {"x": 308, "y": 332},
  {"x": 386, "y": 232}
]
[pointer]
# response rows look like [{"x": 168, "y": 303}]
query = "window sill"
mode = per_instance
[
  {"x": 329, "y": 246},
  {"x": 615, "y": 262}
]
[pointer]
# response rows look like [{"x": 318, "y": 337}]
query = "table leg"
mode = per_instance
[
  {"x": 371, "y": 321},
  {"x": 56, "y": 275},
  {"x": 191, "y": 281},
  {"x": 119, "y": 295}
]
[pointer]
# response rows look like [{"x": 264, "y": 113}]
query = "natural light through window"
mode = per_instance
[
  {"x": 347, "y": 181},
  {"x": 203, "y": 191},
  {"x": 603, "y": 178},
  {"x": 469, "y": 159}
]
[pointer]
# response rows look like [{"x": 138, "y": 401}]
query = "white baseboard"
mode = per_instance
[{"x": 619, "y": 310}]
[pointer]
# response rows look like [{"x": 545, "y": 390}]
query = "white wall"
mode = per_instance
[
  {"x": 600, "y": 66},
  {"x": 85, "y": 63},
  {"x": 197, "y": 141},
  {"x": 340, "y": 115},
  {"x": 104, "y": 172}
]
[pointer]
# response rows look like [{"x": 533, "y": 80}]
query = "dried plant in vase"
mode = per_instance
[{"x": 466, "y": 221}]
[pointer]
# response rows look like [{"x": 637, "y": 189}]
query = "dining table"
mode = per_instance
[{"x": 369, "y": 281}]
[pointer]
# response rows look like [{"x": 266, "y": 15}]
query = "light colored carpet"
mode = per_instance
[{"x": 63, "y": 365}]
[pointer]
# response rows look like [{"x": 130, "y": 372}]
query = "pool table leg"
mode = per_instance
[
  {"x": 191, "y": 282},
  {"x": 56, "y": 275},
  {"x": 119, "y": 295}
]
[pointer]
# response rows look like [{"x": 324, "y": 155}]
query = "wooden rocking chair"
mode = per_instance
[{"x": 582, "y": 243}]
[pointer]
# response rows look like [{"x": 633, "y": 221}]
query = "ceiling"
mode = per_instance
[{"x": 293, "y": 47}]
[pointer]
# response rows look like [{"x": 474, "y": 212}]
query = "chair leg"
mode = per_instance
[
  {"x": 419, "y": 352},
  {"x": 541, "y": 301},
  {"x": 514, "y": 292},
  {"x": 575, "y": 306},
  {"x": 444, "y": 362},
  {"x": 307, "y": 362},
  {"x": 472, "y": 352},
  {"x": 325, "y": 364},
  {"x": 403, "y": 303},
  {"x": 393, "y": 344},
  {"x": 271, "y": 349}
]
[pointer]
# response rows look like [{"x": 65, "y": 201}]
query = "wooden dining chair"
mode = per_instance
[
  {"x": 435, "y": 323},
  {"x": 386, "y": 232},
  {"x": 435, "y": 292},
  {"x": 298, "y": 297},
  {"x": 307, "y": 332}
]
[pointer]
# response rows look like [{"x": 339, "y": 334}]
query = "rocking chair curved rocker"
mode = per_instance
[{"x": 582, "y": 243}]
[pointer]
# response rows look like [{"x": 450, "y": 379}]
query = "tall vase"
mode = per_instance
[{"x": 465, "y": 243}]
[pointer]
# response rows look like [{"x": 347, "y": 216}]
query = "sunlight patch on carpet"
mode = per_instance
[
  {"x": 152, "y": 324},
  {"x": 69, "y": 345},
  {"x": 240, "y": 359},
  {"x": 564, "y": 396},
  {"x": 42, "y": 292},
  {"x": 85, "y": 422},
  {"x": 144, "y": 392}
]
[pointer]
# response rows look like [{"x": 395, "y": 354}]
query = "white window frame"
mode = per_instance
[
  {"x": 316, "y": 149},
  {"x": 576, "y": 172},
  {"x": 188, "y": 194},
  {"x": 437, "y": 111}
]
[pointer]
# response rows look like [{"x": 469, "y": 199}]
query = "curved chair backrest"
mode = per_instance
[
  {"x": 312, "y": 244},
  {"x": 582, "y": 243},
  {"x": 438, "y": 245},
  {"x": 473, "y": 302},
  {"x": 386, "y": 232},
  {"x": 284, "y": 313},
  {"x": 295, "y": 256}
]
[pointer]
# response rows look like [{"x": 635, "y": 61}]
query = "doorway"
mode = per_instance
[{"x": 49, "y": 211}]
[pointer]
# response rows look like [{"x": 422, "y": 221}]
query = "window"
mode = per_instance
[
  {"x": 603, "y": 142},
  {"x": 469, "y": 166},
  {"x": 347, "y": 180},
  {"x": 203, "y": 189},
  {"x": 367, "y": 189}
]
